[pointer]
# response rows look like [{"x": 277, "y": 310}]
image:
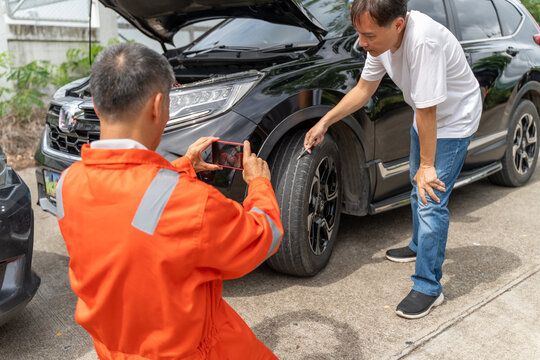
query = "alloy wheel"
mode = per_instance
[
  {"x": 323, "y": 205},
  {"x": 524, "y": 146}
]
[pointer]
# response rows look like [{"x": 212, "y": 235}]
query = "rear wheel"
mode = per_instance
[
  {"x": 521, "y": 154},
  {"x": 309, "y": 196}
]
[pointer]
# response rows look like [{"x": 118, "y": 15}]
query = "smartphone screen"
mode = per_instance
[{"x": 228, "y": 154}]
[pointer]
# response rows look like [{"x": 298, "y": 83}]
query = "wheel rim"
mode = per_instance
[
  {"x": 323, "y": 204},
  {"x": 524, "y": 146}
]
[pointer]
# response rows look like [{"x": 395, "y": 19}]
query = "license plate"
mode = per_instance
[{"x": 51, "y": 179}]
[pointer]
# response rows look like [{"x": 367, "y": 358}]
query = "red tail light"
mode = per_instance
[{"x": 537, "y": 39}]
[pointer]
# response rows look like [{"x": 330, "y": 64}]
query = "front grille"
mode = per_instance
[
  {"x": 90, "y": 114},
  {"x": 86, "y": 131},
  {"x": 70, "y": 143}
]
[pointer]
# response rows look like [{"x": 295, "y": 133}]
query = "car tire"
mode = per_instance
[
  {"x": 521, "y": 153},
  {"x": 308, "y": 191}
]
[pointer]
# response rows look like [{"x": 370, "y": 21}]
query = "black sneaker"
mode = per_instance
[
  {"x": 402, "y": 255},
  {"x": 416, "y": 305}
]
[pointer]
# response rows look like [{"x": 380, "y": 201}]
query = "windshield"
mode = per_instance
[{"x": 254, "y": 33}]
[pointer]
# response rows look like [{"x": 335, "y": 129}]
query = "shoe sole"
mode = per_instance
[
  {"x": 401, "y": 260},
  {"x": 437, "y": 302}
]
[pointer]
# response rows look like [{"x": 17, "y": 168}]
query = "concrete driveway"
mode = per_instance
[{"x": 491, "y": 284}]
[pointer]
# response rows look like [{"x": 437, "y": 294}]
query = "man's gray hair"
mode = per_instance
[
  {"x": 126, "y": 75},
  {"x": 383, "y": 11}
]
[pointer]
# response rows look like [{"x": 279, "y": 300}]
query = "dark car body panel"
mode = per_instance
[
  {"x": 297, "y": 88},
  {"x": 18, "y": 283}
]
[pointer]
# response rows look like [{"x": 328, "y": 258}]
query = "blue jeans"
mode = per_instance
[{"x": 430, "y": 223}]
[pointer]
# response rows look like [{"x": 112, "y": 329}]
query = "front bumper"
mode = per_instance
[{"x": 18, "y": 283}]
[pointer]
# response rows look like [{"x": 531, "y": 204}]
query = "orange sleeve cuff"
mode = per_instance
[{"x": 183, "y": 164}]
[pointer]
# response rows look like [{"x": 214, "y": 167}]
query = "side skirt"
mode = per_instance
[{"x": 464, "y": 178}]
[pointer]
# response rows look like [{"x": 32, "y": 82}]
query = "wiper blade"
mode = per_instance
[
  {"x": 223, "y": 48},
  {"x": 287, "y": 47}
]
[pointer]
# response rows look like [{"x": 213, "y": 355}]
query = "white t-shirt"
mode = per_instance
[{"x": 430, "y": 68}]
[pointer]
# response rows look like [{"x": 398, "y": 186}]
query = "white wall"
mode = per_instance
[
  {"x": 36, "y": 39},
  {"x": 3, "y": 42}
]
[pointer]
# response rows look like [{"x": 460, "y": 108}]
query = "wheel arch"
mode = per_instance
[
  {"x": 529, "y": 89},
  {"x": 350, "y": 138},
  {"x": 532, "y": 92}
]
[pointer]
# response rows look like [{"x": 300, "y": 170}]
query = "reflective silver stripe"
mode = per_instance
[
  {"x": 276, "y": 234},
  {"x": 154, "y": 200},
  {"x": 59, "y": 203}
]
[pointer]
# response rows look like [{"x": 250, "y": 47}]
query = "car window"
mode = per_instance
[
  {"x": 432, "y": 8},
  {"x": 478, "y": 21},
  {"x": 508, "y": 14}
]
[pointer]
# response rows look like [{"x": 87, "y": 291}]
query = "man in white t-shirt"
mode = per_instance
[{"x": 427, "y": 63}]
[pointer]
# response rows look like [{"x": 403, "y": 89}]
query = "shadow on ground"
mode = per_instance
[
  {"x": 362, "y": 240},
  {"x": 467, "y": 267},
  {"x": 321, "y": 337}
]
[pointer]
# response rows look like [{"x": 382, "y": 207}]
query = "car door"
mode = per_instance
[
  {"x": 486, "y": 33},
  {"x": 393, "y": 120}
]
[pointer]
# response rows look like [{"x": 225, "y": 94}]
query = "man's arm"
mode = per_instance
[
  {"x": 353, "y": 101},
  {"x": 236, "y": 238},
  {"x": 426, "y": 177}
]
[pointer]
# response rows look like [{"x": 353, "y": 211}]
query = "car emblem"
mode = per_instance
[{"x": 67, "y": 120}]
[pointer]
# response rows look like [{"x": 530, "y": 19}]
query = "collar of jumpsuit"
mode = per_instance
[{"x": 117, "y": 144}]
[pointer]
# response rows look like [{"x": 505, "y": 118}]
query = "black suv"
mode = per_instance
[{"x": 271, "y": 69}]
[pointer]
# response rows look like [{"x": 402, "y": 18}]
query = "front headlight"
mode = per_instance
[
  {"x": 3, "y": 168},
  {"x": 198, "y": 101}
]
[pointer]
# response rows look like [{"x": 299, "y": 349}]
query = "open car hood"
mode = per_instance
[{"x": 161, "y": 19}]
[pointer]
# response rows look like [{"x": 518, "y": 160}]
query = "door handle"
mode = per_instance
[{"x": 512, "y": 51}]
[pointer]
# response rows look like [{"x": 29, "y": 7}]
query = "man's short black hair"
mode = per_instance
[
  {"x": 124, "y": 77},
  {"x": 383, "y": 11}
]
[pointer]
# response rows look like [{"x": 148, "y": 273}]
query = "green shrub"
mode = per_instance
[
  {"x": 29, "y": 81},
  {"x": 534, "y": 7},
  {"x": 76, "y": 65},
  {"x": 5, "y": 64}
]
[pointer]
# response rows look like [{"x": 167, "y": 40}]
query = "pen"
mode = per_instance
[{"x": 302, "y": 153}]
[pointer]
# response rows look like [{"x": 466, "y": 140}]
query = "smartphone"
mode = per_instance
[{"x": 228, "y": 154}]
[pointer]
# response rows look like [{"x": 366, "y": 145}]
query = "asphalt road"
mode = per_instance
[{"x": 491, "y": 284}]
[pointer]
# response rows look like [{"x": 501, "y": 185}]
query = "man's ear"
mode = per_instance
[
  {"x": 95, "y": 109},
  {"x": 399, "y": 22},
  {"x": 157, "y": 107}
]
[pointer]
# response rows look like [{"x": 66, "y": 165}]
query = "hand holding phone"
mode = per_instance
[
  {"x": 253, "y": 166},
  {"x": 194, "y": 154}
]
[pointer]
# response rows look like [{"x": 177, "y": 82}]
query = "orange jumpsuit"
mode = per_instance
[{"x": 150, "y": 246}]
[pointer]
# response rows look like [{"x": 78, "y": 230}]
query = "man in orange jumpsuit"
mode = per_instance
[{"x": 150, "y": 245}]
